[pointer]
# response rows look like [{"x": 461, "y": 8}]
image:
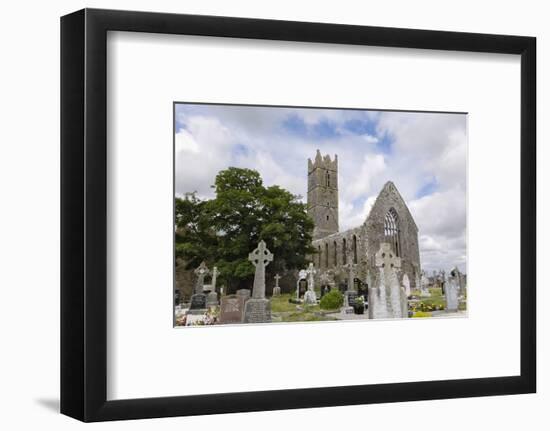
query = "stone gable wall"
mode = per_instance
[{"x": 389, "y": 198}]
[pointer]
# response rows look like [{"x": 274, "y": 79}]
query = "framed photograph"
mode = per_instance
[{"x": 262, "y": 215}]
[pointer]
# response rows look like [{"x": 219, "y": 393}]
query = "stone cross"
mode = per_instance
[
  {"x": 201, "y": 272},
  {"x": 389, "y": 299},
  {"x": 214, "y": 276},
  {"x": 385, "y": 258},
  {"x": 276, "y": 288},
  {"x": 310, "y": 297},
  {"x": 311, "y": 272},
  {"x": 260, "y": 258}
]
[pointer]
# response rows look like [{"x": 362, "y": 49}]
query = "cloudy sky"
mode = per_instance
[{"x": 424, "y": 154}]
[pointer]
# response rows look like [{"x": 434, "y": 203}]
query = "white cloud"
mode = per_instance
[
  {"x": 202, "y": 150},
  {"x": 441, "y": 218},
  {"x": 186, "y": 143},
  {"x": 359, "y": 183},
  {"x": 414, "y": 150},
  {"x": 351, "y": 216},
  {"x": 370, "y": 139}
]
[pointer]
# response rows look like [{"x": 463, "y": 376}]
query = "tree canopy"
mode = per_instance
[{"x": 224, "y": 230}]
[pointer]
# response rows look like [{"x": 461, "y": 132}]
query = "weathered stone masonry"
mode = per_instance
[{"x": 388, "y": 221}]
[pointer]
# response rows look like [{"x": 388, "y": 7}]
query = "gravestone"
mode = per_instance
[
  {"x": 198, "y": 304},
  {"x": 232, "y": 309},
  {"x": 258, "y": 308},
  {"x": 387, "y": 300},
  {"x": 347, "y": 308},
  {"x": 461, "y": 283},
  {"x": 342, "y": 287},
  {"x": 302, "y": 288},
  {"x": 452, "y": 289},
  {"x": 214, "y": 278},
  {"x": 309, "y": 296},
  {"x": 350, "y": 298},
  {"x": 301, "y": 284},
  {"x": 407, "y": 285},
  {"x": 201, "y": 272},
  {"x": 363, "y": 291},
  {"x": 277, "y": 288},
  {"x": 424, "y": 285},
  {"x": 212, "y": 299},
  {"x": 244, "y": 293}
]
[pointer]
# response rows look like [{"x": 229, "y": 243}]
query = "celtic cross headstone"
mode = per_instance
[{"x": 258, "y": 308}]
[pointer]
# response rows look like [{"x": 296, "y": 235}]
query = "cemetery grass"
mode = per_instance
[{"x": 284, "y": 311}]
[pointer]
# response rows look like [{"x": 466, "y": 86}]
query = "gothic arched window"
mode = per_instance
[
  {"x": 327, "y": 179},
  {"x": 344, "y": 252},
  {"x": 391, "y": 231},
  {"x": 335, "y": 254},
  {"x": 354, "y": 249},
  {"x": 326, "y": 255},
  {"x": 319, "y": 262}
]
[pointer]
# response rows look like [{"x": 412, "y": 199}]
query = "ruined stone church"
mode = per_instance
[{"x": 339, "y": 254}]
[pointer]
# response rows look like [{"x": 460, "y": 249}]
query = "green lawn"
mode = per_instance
[
  {"x": 305, "y": 316},
  {"x": 280, "y": 304},
  {"x": 437, "y": 299},
  {"x": 284, "y": 311}
]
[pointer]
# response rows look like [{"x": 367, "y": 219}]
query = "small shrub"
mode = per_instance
[{"x": 332, "y": 300}]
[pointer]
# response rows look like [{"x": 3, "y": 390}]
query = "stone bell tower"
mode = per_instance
[{"x": 322, "y": 194}]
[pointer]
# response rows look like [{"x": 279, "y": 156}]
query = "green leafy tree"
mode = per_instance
[{"x": 224, "y": 230}]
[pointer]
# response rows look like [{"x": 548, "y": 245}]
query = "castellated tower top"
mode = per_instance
[
  {"x": 322, "y": 162},
  {"x": 322, "y": 194}
]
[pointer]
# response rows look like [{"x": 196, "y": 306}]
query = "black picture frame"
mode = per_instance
[{"x": 84, "y": 214}]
